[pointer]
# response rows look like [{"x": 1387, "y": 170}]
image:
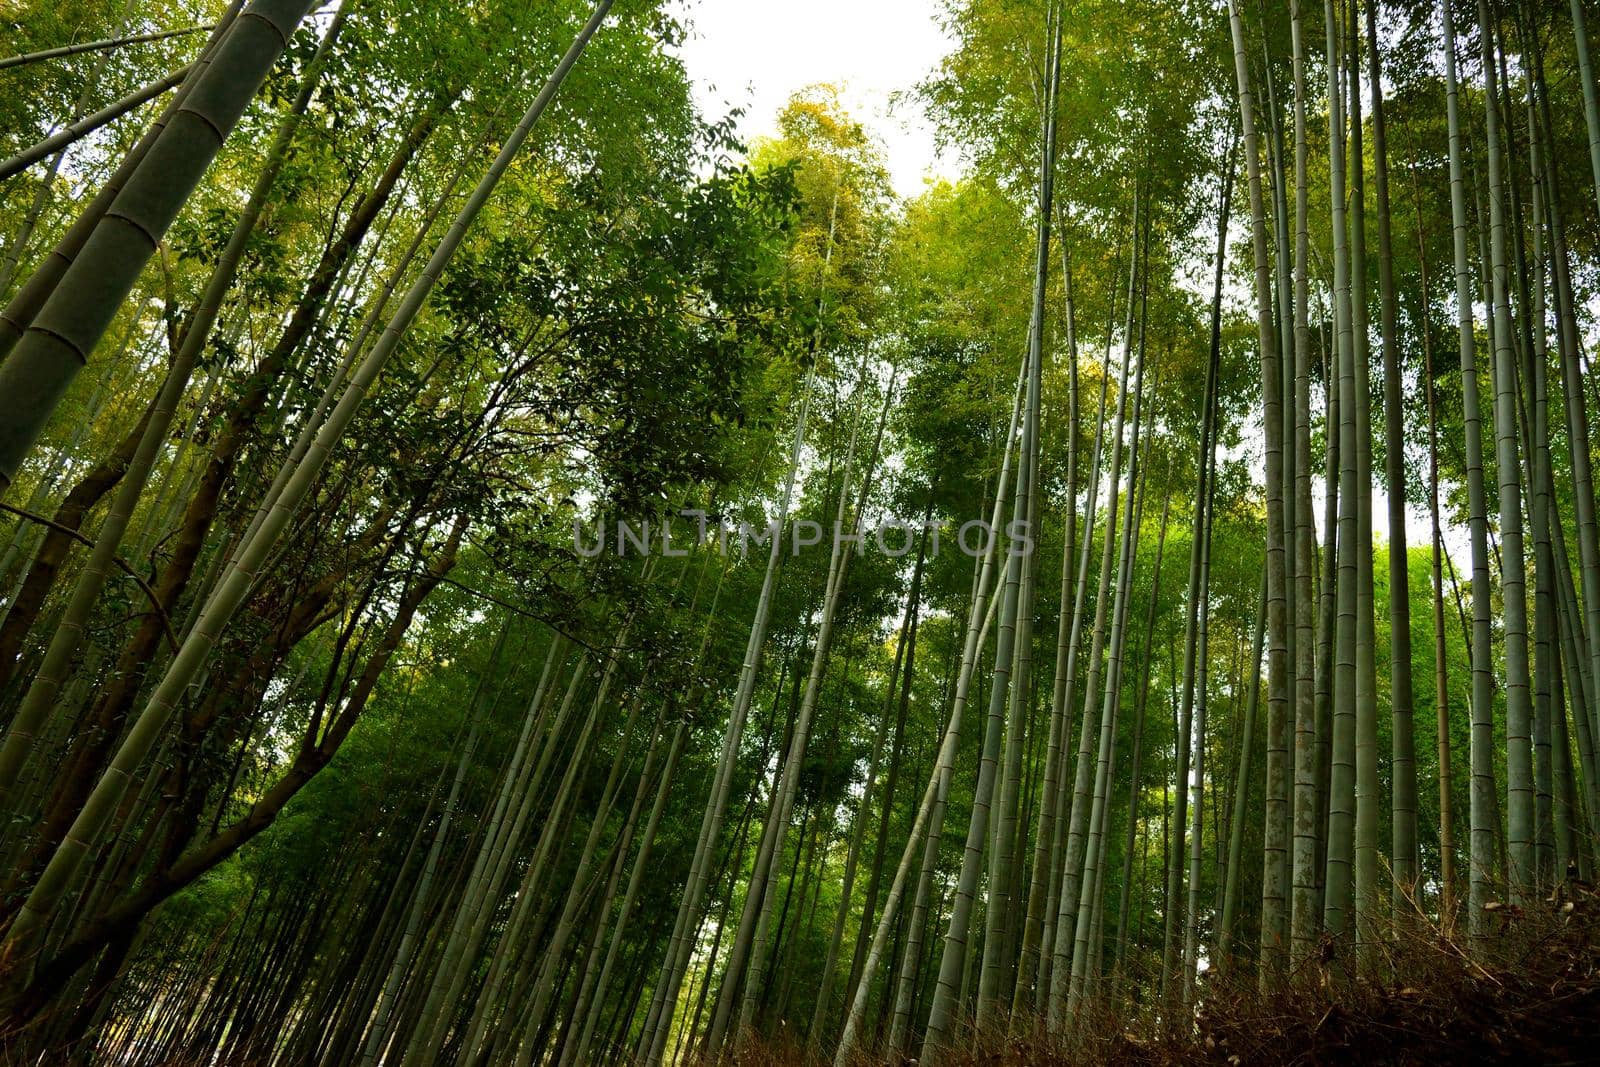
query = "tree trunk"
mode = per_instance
[
  {"x": 58, "y": 343},
  {"x": 1513, "y": 576},
  {"x": 1275, "y": 876},
  {"x": 1403, "y": 857},
  {"x": 1482, "y": 846},
  {"x": 68, "y": 634}
]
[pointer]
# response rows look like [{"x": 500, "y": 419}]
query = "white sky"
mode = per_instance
[{"x": 755, "y": 53}]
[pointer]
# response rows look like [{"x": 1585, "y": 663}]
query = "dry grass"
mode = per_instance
[{"x": 1534, "y": 999}]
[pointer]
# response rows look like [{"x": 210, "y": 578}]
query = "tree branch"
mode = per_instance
[{"x": 155, "y": 602}]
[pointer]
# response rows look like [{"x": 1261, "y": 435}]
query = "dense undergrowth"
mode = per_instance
[{"x": 1533, "y": 999}]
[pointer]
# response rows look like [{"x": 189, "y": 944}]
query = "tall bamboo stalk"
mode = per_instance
[
  {"x": 58, "y": 343},
  {"x": 1483, "y": 819},
  {"x": 1513, "y": 568},
  {"x": 1275, "y": 878}
]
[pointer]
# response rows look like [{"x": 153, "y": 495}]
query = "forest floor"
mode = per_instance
[{"x": 1536, "y": 1003}]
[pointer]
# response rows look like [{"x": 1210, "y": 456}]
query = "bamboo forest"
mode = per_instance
[{"x": 505, "y": 563}]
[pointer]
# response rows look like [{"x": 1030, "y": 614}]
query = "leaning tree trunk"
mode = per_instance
[
  {"x": 77, "y": 131},
  {"x": 933, "y": 798},
  {"x": 980, "y": 614},
  {"x": 102, "y": 803},
  {"x": 663, "y": 1003},
  {"x": 42, "y": 694},
  {"x": 95, "y": 46},
  {"x": 749, "y": 956},
  {"x": 57, "y": 344},
  {"x": 900, "y": 675},
  {"x": 994, "y": 993},
  {"x": 1591, "y": 100},
  {"x": 1076, "y": 888},
  {"x": 953, "y": 960},
  {"x": 20, "y": 311},
  {"x": 1072, "y": 810},
  {"x": 1086, "y": 939}
]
